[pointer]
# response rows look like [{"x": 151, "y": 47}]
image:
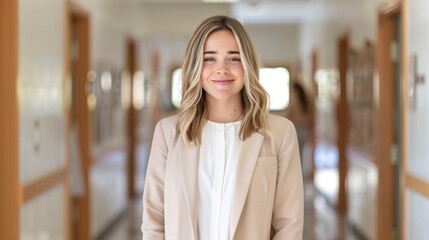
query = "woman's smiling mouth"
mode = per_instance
[{"x": 223, "y": 81}]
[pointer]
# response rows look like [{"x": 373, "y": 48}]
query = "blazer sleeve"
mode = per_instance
[
  {"x": 288, "y": 219},
  {"x": 153, "y": 194}
]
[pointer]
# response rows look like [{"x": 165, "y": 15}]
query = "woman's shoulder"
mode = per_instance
[
  {"x": 168, "y": 124},
  {"x": 282, "y": 131},
  {"x": 170, "y": 120},
  {"x": 279, "y": 126},
  {"x": 275, "y": 121}
]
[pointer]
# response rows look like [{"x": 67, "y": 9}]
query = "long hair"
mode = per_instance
[{"x": 254, "y": 99}]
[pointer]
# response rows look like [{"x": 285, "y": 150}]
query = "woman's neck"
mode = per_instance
[{"x": 224, "y": 113}]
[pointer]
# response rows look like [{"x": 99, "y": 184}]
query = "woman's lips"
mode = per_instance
[{"x": 223, "y": 81}]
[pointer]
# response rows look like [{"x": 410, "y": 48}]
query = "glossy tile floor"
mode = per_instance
[
  {"x": 321, "y": 221},
  {"x": 128, "y": 227}
]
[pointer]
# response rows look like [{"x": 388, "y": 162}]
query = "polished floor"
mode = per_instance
[{"x": 321, "y": 220}]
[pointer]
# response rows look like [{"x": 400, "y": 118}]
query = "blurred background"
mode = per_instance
[{"x": 83, "y": 83}]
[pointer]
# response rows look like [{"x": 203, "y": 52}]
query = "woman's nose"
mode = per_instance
[{"x": 223, "y": 68}]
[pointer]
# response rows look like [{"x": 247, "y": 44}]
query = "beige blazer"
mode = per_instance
[{"x": 268, "y": 202}]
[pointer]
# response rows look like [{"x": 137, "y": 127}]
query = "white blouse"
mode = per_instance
[{"x": 216, "y": 171}]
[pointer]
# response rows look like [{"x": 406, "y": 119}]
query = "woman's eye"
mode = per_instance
[
  {"x": 235, "y": 60},
  {"x": 209, "y": 59}
]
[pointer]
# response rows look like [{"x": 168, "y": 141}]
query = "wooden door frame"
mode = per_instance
[
  {"x": 342, "y": 122},
  {"x": 385, "y": 123},
  {"x": 82, "y": 112},
  {"x": 132, "y": 121},
  {"x": 404, "y": 121},
  {"x": 15, "y": 194},
  {"x": 313, "y": 138},
  {"x": 9, "y": 121}
]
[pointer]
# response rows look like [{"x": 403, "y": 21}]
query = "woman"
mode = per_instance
[{"x": 223, "y": 168}]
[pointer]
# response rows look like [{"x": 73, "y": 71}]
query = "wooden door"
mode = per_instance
[
  {"x": 9, "y": 167},
  {"x": 132, "y": 120},
  {"x": 389, "y": 121},
  {"x": 342, "y": 120},
  {"x": 79, "y": 49}
]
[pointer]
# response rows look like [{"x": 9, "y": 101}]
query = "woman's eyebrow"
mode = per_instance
[
  {"x": 233, "y": 52},
  {"x": 210, "y": 52},
  {"x": 229, "y": 52}
]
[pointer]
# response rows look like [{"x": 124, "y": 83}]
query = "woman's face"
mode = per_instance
[{"x": 222, "y": 72}]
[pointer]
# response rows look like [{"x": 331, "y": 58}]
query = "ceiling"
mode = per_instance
[
  {"x": 199, "y": 1},
  {"x": 279, "y": 11},
  {"x": 257, "y": 11}
]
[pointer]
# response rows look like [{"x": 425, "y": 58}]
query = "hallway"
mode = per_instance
[
  {"x": 321, "y": 222},
  {"x": 85, "y": 81}
]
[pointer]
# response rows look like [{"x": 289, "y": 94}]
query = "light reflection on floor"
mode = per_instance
[
  {"x": 326, "y": 180},
  {"x": 321, "y": 221}
]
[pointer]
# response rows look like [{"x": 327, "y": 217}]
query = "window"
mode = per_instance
[
  {"x": 275, "y": 80},
  {"x": 176, "y": 87}
]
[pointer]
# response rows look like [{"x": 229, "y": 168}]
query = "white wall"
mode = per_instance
[
  {"x": 417, "y": 217},
  {"x": 40, "y": 87},
  {"x": 108, "y": 45},
  {"x": 418, "y": 127},
  {"x": 331, "y": 21},
  {"x": 146, "y": 20},
  {"x": 276, "y": 44},
  {"x": 110, "y": 26},
  {"x": 418, "y": 135},
  {"x": 177, "y": 19},
  {"x": 41, "y": 113}
]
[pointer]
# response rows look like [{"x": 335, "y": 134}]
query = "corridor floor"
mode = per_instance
[{"x": 321, "y": 222}]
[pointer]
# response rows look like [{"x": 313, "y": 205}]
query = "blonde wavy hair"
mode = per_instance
[{"x": 254, "y": 99}]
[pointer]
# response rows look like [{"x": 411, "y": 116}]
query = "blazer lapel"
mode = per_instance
[
  {"x": 247, "y": 159},
  {"x": 188, "y": 158}
]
